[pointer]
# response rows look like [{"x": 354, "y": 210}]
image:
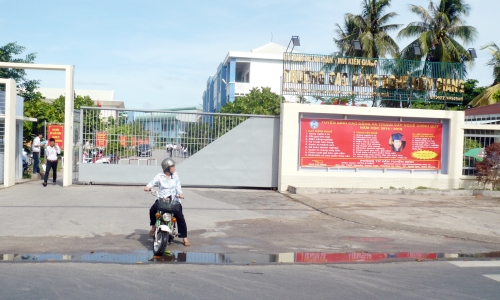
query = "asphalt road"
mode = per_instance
[{"x": 410, "y": 280}]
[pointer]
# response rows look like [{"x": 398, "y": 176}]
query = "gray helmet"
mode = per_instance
[{"x": 166, "y": 164}]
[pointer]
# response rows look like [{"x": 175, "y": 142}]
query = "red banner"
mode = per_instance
[
  {"x": 123, "y": 140},
  {"x": 56, "y": 132},
  {"x": 133, "y": 141},
  {"x": 370, "y": 144},
  {"x": 101, "y": 140}
]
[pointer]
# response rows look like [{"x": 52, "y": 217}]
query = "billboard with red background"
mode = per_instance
[
  {"x": 57, "y": 133},
  {"x": 101, "y": 139},
  {"x": 370, "y": 144}
]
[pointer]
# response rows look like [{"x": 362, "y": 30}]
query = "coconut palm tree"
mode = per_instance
[
  {"x": 373, "y": 28},
  {"x": 492, "y": 94},
  {"x": 345, "y": 35},
  {"x": 438, "y": 31}
]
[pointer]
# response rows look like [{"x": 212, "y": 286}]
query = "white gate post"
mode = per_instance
[
  {"x": 68, "y": 127},
  {"x": 68, "y": 111},
  {"x": 10, "y": 133}
]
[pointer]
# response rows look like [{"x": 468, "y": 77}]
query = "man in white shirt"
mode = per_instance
[
  {"x": 51, "y": 152},
  {"x": 170, "y": 148},
  {"x": 36, "y": 153}
]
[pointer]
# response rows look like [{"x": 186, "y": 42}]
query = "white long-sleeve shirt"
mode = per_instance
[
  {"x": 51, "y": 152},
  {"x": 168, "y": 186},
  {"x": 36, "y": 144}
]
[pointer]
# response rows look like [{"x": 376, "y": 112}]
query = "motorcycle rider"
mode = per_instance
[{"x": 170, "y": 186}]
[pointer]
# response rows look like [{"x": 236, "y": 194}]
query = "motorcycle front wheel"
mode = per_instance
[{"x": 160, "y": 243}]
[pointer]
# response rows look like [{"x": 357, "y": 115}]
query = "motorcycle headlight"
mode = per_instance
[{"x": 166, "y": 217}]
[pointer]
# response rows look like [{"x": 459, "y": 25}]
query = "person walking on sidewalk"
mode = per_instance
[
  {"x": 51, "y": 153},
  {"x": 36, "y": 153}
]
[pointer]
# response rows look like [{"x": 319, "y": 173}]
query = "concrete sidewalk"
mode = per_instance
[
  {"x": 463, "y": 217},
  {"x": 50, "y": 219}
]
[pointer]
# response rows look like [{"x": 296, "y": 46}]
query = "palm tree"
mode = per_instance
[
  {"x": 345, "y": 35},
  {"x": 492, "y": 94},
  {"x": 437, "y": 32},
  {"x": 372, "y": 26}
]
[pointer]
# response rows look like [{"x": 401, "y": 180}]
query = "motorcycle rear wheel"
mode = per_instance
[{"x": 160, "y": 243}]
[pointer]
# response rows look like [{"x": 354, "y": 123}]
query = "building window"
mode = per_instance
[{"x": 242, "y": 72}]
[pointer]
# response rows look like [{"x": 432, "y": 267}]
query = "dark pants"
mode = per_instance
[
  {"x": 170, "y": 152},
  {"x": 181, "y": 222},
  {"x": 36, "y": 162},
  {"x": 51, "y": 165}
]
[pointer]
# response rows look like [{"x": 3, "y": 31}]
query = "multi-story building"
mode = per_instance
[
  {"x": 101, "y": 98},
  {"x": 239, "y": 72}
]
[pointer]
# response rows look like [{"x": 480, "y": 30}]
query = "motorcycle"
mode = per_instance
[
  {"x": 166, "y": 224},
  {"x": 27, "y": 160}
]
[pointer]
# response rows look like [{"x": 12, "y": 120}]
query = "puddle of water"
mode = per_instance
[{"x": 145, "y": 256}]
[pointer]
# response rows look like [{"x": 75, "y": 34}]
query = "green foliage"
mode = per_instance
[
  {"x": 486, "y": 97},
  {"x": 471, "y": 144},
  {"x": 437, "y": 32},
  {"x": 26, "y": 88},
  {"x": 496, "y": 96},
  {"x": 371, "y": 28},
  {"x": 115, "y": 130},
  {"x": 471, "y": 90},
  {"x": 257, "y": 102},
  {"x": 436, "y": 106},
  {"x": 494, "y": 62},
  {"x": 49, "y": 112}
]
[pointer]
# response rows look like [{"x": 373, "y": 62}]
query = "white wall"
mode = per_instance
[
  {"x": 290, "y": 175},
  {"x": 263, "y": 73}
]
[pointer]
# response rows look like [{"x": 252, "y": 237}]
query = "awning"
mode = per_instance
[{"x": 18, "y": 118}]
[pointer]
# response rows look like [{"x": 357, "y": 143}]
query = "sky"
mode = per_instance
[{"x": 159, "y": 53}]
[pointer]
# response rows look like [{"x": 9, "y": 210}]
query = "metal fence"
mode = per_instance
[
  {"x": 145, "y": 138},
  {"x": 479, "y": 138}
]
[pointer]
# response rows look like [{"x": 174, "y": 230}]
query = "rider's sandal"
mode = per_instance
[
  {"x": 187, "y": 244},
  {"x": 152, "y": 233}
]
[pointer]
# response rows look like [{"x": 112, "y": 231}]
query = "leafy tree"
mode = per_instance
[
  {"x": 492, "y": 94},
  {"x": 257, "y": 102},
  {"x": 51, "y": 112},
  {"x": 438, "y": 31},
  {"x": 373, "y": 28},
  {"x": 26, "y": 88},
  {"x": 471, "y": 90},
  {"x": 488, "y": 170}
]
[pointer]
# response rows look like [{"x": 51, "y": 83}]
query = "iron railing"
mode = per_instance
[
  {"x": 141, "y": 137},
  {"x": 479, "y": 138}
]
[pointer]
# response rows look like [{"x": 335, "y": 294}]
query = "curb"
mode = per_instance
[
  {"x": 422, "y": 192},
  {"x": 374, "y": 222}
]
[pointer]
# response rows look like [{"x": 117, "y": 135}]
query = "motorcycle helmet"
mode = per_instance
[{"x": 166, "y": 164}]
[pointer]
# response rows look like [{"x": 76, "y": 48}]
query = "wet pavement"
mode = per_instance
[{"x": 244, "y": 258}]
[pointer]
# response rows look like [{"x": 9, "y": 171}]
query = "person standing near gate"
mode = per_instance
[
  {"x": 51, "y": 153},
  {"x": 36, "y": 153},
  {"x": 170, "y": 148}
]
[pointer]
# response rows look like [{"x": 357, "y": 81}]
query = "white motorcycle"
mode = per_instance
[{"x": 166, "y": 224}]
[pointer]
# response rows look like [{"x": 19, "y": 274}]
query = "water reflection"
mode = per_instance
[{"x": 145, "y": 256}]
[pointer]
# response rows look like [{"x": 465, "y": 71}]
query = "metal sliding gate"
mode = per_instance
[{"x": 121, "y": 146}]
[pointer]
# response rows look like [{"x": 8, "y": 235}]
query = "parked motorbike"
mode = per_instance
[
  {"x": 27, "y": 160},
  {"x": 166, "y": 224}
]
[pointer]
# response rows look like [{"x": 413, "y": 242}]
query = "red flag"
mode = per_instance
[{"x": 98, "y": 103}]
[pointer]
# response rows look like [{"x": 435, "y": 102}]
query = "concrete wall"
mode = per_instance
[
  {"x": 246, "y": 156},
  {"x": 291, "y": 175}
]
